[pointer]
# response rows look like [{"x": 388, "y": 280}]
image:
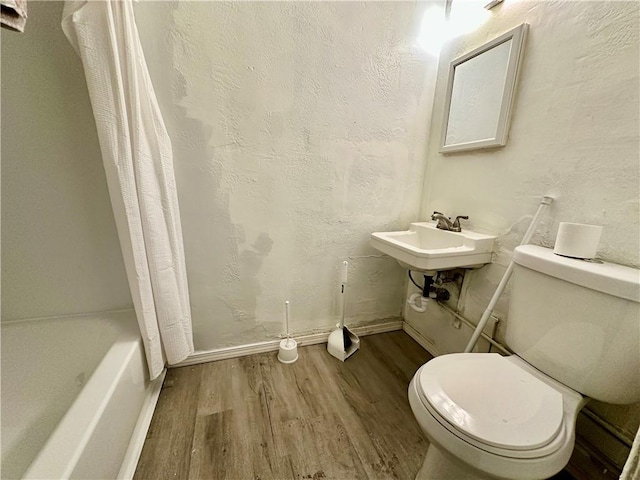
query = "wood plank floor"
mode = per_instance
[{"x": 255, "y": 418}]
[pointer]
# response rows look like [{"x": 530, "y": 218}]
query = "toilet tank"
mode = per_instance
[{"x": 578, "y": 322}]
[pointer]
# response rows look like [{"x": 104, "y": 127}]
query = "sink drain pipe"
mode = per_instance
[
  {"x": 419, "y": 301},
  {"x": 546, "y": 200}
]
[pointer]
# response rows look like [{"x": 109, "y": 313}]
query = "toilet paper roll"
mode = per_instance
[{"x": 577, "y": 240}]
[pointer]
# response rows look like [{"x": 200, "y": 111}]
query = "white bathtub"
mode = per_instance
[{"x": 76, "y": 400}]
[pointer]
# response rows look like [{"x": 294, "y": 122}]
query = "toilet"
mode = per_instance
[{"x": 574, "y": 328}]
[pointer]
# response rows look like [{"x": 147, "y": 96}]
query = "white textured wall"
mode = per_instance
[
  {"x": 298, "y": 129},
  {"x": 60, "y": 251},
  {"x": 574, "y": 134}
]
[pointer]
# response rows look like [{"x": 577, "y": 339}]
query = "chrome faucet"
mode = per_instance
[{"x": 445, "y": 223}]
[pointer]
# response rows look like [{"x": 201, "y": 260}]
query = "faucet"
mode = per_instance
[{"x": 445, "y": 223}]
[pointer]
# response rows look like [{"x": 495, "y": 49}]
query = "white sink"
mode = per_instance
[{"x": 426, "y": 248}]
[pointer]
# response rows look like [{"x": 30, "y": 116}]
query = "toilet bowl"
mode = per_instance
[
  {"x": 573, "y": 327},
  {"x": 490, "y": 417}
]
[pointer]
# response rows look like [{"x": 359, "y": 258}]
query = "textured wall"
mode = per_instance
[
  {"x": 575, "y": 135},
  {"x": 298, "y": 129},
  {"x": 60, "y": 251},
  {"x": 574, "y": 132}
]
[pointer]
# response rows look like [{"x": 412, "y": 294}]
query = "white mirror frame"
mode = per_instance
[{"x": 517, "y": 37}]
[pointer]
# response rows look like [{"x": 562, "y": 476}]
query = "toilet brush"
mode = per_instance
[{"x": 288, "y": 352}]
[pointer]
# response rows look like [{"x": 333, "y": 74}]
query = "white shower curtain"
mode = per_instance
[
  {"x": 138, "y": 162},
  {"x": 631, "y": 469}
]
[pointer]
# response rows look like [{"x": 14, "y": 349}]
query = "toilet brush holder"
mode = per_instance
[{"x": 288, "y": 352}]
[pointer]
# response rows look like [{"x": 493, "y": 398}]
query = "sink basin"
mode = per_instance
[{"x": 426, "y": 248}]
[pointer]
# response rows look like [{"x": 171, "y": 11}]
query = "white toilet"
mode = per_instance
[{"x": 574, "y": 327}]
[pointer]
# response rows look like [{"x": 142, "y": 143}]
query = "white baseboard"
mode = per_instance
[
  {"x": 273, "y": 345},
  {"x": 139, "y": 435},
  {"x": 421, "y": 339}
]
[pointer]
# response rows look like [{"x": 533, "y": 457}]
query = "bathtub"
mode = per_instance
[{"x": 76, "y": 399}]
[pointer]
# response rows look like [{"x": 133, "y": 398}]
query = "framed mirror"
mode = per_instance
[{"x": 480, "y": 93}]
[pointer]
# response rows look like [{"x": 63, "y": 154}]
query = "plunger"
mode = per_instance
[{"x": 288, "y": 352}]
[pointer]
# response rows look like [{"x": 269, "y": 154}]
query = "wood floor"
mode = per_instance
[{"x": 254, "y": 418}]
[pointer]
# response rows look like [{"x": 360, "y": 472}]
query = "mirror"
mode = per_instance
[{"x": 480, "y": 93}]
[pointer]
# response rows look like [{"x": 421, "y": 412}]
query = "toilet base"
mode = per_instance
[{"x": 440, "y": 466}]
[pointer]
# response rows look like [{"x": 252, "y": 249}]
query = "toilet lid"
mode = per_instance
[{"x": 492, "y": 400}]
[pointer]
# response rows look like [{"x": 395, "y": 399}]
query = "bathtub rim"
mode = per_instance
[
  {"x": 139, "y": 435},
  {"x": 63, "y": 449}
]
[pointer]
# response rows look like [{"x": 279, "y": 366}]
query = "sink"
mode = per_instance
[{"x": 426, "y": 248}]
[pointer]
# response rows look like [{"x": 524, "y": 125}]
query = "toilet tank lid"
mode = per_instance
[{"x": 617, "y": 280}]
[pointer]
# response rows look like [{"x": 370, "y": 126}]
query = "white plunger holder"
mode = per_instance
[{"x": 288, "y": 352}]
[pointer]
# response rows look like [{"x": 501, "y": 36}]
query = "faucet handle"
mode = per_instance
[
  {"x": 456, "y": 222},
  {"x": 435, "y": 213}
]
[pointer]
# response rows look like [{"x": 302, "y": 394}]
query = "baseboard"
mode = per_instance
[
  {"x": 588, "y": 463},
  {"x": 421, "y": 339},
  {"x": 273, "y": 345},
  {"x": 139, "y": 435}
]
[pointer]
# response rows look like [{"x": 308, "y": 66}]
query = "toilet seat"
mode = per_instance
[{"x": 493, "y": 403}]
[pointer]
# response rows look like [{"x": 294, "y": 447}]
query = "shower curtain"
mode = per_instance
[
  {"x": 631, "y": 469},
  {"x": 138, "y": 162}
]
